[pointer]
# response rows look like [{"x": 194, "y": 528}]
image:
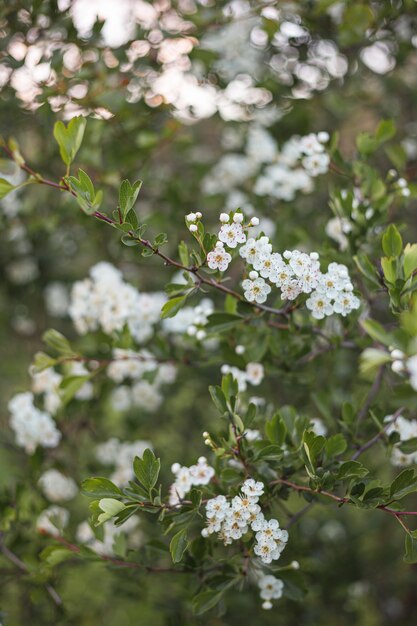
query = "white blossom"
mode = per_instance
[
  {"x": 232, "y": 234},
  {"x": 32, "y": 427},
  {"x": 256, "y": 290},
  {"x": 218, "y": 259},
  {"x": 57, "y": 487}
]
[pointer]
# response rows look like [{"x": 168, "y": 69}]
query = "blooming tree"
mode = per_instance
[{"x": 189, "y": 423}]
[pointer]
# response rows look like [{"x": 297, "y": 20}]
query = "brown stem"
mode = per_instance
[
  {"x": 339, "y": 499},
  {"x": 147, "y": 244}
]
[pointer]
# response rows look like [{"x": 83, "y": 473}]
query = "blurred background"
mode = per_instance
[{"x": 188, "y": 95}]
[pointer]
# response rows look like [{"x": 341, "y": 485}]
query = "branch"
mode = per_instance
[
  {"x": 13, "y": 558},
  {"x": 63, "y": 186},
  {"x": 339, "y": 499},
  {"x": 378, "y": 436}
]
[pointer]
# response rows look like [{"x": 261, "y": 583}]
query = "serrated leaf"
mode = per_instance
[
  {"x": 276, "y": 430},
  {"x": 336, "y": 445},
  {"x": 403, "y": 484},
  {"x": 69, "y": 138},
  {"x": 351, "y": 469},
  {"x": 147, "y": 469}
]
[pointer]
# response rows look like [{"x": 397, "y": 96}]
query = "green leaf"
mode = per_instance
[
  {"x": 411, "y": 548},
  {"x": 206, "y": 600},
  {"x": 371, "y": 359},
  {"x": 336, "y": 445},
  {"x": 218, "y": 398},
  {"x": 88, "y": 199},
  {"x": 5, "y": 187},
  {"x": 69, "y": 138},
  {"x": 42, "y": 361},
  {"x": 403, "y": 484},
  {"x": 366, "y": 143},
  {"x": 397, "y": 155},
  {"x": 128, "y": 195},
  {"x": 178, "y": 545},
  {"x": 171, "y": 307},
  {"x": 110, "y": 508},
  {"x": 410, "y": 259},
  {"x": 70, "y": 385},
  {"x": 98, "y": 487},
  {"x": 392, "y": 243},
  {"x": 389, "y": 268},
  {"x": 53, "y": 555},
  {"x": 385, "y": 131},
  {"x": 147, "y": 469},
  {"x": 56, "y": 340},
  {"x": 219, "y": 322},
  {"x": 351, "y": 469},
  {"x": 313, "y": 445},
  {"x": 160, "y": 240},
  {"x": 377, "y": 332},
  {"x": 276, "y": 430},
  {"x": 183, "y": 252},
  {"x": 366, "y": 268},
  {"x": 409, "y": 446}
]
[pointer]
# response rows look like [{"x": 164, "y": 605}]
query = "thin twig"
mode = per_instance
[
  {"x": 378, "y": 436},
  {"x": 13, "y": 558}
]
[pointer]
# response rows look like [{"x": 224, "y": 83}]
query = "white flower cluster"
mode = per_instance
[
  {"x": 253, "y": 374},
  {"x": 300, "y": 160},
  {"x": 295, "y": 272},
  {"x": 232, "y": 520},
  {"x": 47, "y": 382},
  {"x": 128, "y": 364},
  {"x": 121, "y": 455},
  {"x": 52, "y": 520},
  {"x": 32, "y": 427},
  {"x": 279, "y": 173},
  {"x": 271, "y": 589},
  {"x": 57, "y": 487},
  {"x": 111, "y": 532},
  {"x": 187, "y": 477},
  {"x": 407, "y": 429},
  {"x": 105, "y": 301}
]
